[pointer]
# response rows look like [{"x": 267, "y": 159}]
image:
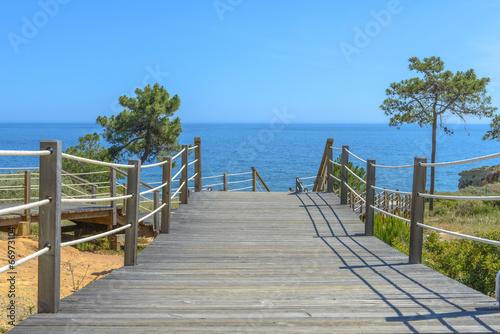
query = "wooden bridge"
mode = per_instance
[
  {"x": 296, "y": 262},
  {"x": 270, "y": 262}
]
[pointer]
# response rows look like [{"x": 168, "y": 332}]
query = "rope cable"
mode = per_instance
[
  {"x": 96, "y": 162},
  {"x": 484, "y": 157},
  {"x": 25, "y": 259},
  {"x": 152, "y": 213},
  {"x": 97, "y": 236},
  {"x": 25, "y": 206},
  {"x": 154, "y": 189},
  {"x": 465, "y": 236},
  {"x": 472, "y": 198},
  {"x": 390, "y": 214},
  {"x": 89, "y": 200},
  {"x": 392, "y": 191},
  {"x": 355, "y": 156},
  {"x": 178, "y": 154},
  {"x": 24, "y": 153}
]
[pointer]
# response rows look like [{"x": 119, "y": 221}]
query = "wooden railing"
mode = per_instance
[
  {"x": 406, "y": 206},
  {"x": 50, "y": 194}
]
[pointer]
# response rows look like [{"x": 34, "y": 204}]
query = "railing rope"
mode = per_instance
[
  {"x": 95, "y": 162},
  {"x": 465, "y": 236},
  {"x": 393, "y": 191},
  {"x": 458, "y": 162},
  {"x": 25, "y": 153},
  {"x": 97, "y": 236},
  {"x": 25, "y": 206},
  {"x": 25, "y": 259},
  {"x": 355, "y": 156}
]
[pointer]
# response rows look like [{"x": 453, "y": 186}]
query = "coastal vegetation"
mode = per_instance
[
  {"x": 143, "y": 129},
  {"x": 353, "y": 181},
  {"x": 431, "y": 99},
  {"x": 472, "y": 263}
]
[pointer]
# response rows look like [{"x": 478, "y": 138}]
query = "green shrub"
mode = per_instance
[
  {"x": 472, "y": 263},
  {"x": 438, "y": 211},
  {"x": 97, "y": 244},
  {"x": 472, "y": 208},
  {"x": 392, "y": 231}
]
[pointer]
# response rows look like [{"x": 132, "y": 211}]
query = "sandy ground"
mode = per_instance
[{"x": 77, "y": 270}]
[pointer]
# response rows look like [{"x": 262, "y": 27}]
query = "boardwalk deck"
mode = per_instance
[{"x": 270, "y": 262}]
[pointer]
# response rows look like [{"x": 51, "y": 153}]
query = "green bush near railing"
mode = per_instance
[
  {"x": 392, "y": 231},
  {"x": 472, "y": 263}
]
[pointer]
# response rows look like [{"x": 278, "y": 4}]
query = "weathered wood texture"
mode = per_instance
[{"x": 275, "y": 263}]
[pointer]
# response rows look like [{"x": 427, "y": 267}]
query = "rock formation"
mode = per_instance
[{"x": 479, "y": 177}]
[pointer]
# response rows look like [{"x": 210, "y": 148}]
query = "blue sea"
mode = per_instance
[{"x": 281, "y": 152}]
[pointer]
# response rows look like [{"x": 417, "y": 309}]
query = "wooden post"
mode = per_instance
[
  {"x": 298, "y": 186},
  {"x": 197, "y": 165},
  {"x": 320, "y": 178},
  {"x": 224, "y": 180},
  {"x": 262, "y": 181},
  {"x": 49, "y": 264},
  {"x": 254, "y": 179},
  {"x": 329, "y": 169},
  {"x": 93, "y": 192},
  {"x": 112, "y": 193},
  {"x": 417, "y": 211},
  {"x": 344, "y": 174},
  {"x": 370, "y": 197},
  {"x": 131, "y": 234},
  {"x": 124, "y": 184},
  {"x": 156, "y": 216},
  {"x": 184, "y": 176},
  {"x": 165, "y": 195},
  {"x": 27, "y": 194}
]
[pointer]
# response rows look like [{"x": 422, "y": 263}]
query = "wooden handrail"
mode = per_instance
[
  {"x": 319, "y": 184},
  {"x": 254, "y": 172},
  {"x": 125, "y": 174},
  {"x": 79, "y": 179}
]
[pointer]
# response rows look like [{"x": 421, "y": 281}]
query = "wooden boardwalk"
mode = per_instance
[{"x": 270, "y": 262}]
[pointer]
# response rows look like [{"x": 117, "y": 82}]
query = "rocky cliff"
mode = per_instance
[{"x": 478, "y": 177}]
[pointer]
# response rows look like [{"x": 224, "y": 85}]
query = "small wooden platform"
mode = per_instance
[
  {"x": 70, "y": 211},
  {"x": 273, "y": 263},
  {"x": 77, "y": 212}
]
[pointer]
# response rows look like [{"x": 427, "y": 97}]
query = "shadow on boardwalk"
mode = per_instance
[
  {"x": 270, "y": 262},
  {"x": 390, "y": 272}
]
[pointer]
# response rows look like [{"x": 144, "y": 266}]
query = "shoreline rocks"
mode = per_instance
[{"x": 478, "y": 177}]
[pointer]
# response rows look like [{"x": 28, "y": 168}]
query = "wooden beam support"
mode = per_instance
[
  {"x": 197, "y": 165},
  {"x": 131, "y": 234},
  {"x": 417, "y": 211},
  {"x": 49, "y": 264},
  {"x": 165, "y": 195}
]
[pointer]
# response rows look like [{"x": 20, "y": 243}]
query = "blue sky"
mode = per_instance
[{"x": 233, "y": 60}]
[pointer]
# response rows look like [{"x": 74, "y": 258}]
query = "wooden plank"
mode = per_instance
[{"x": 270, "y": 263}]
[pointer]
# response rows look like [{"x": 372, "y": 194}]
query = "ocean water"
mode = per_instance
[{"x": 280, "y": 152}]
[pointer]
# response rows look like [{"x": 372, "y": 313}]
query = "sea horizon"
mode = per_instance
[{"x": 283, "y": 151}]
